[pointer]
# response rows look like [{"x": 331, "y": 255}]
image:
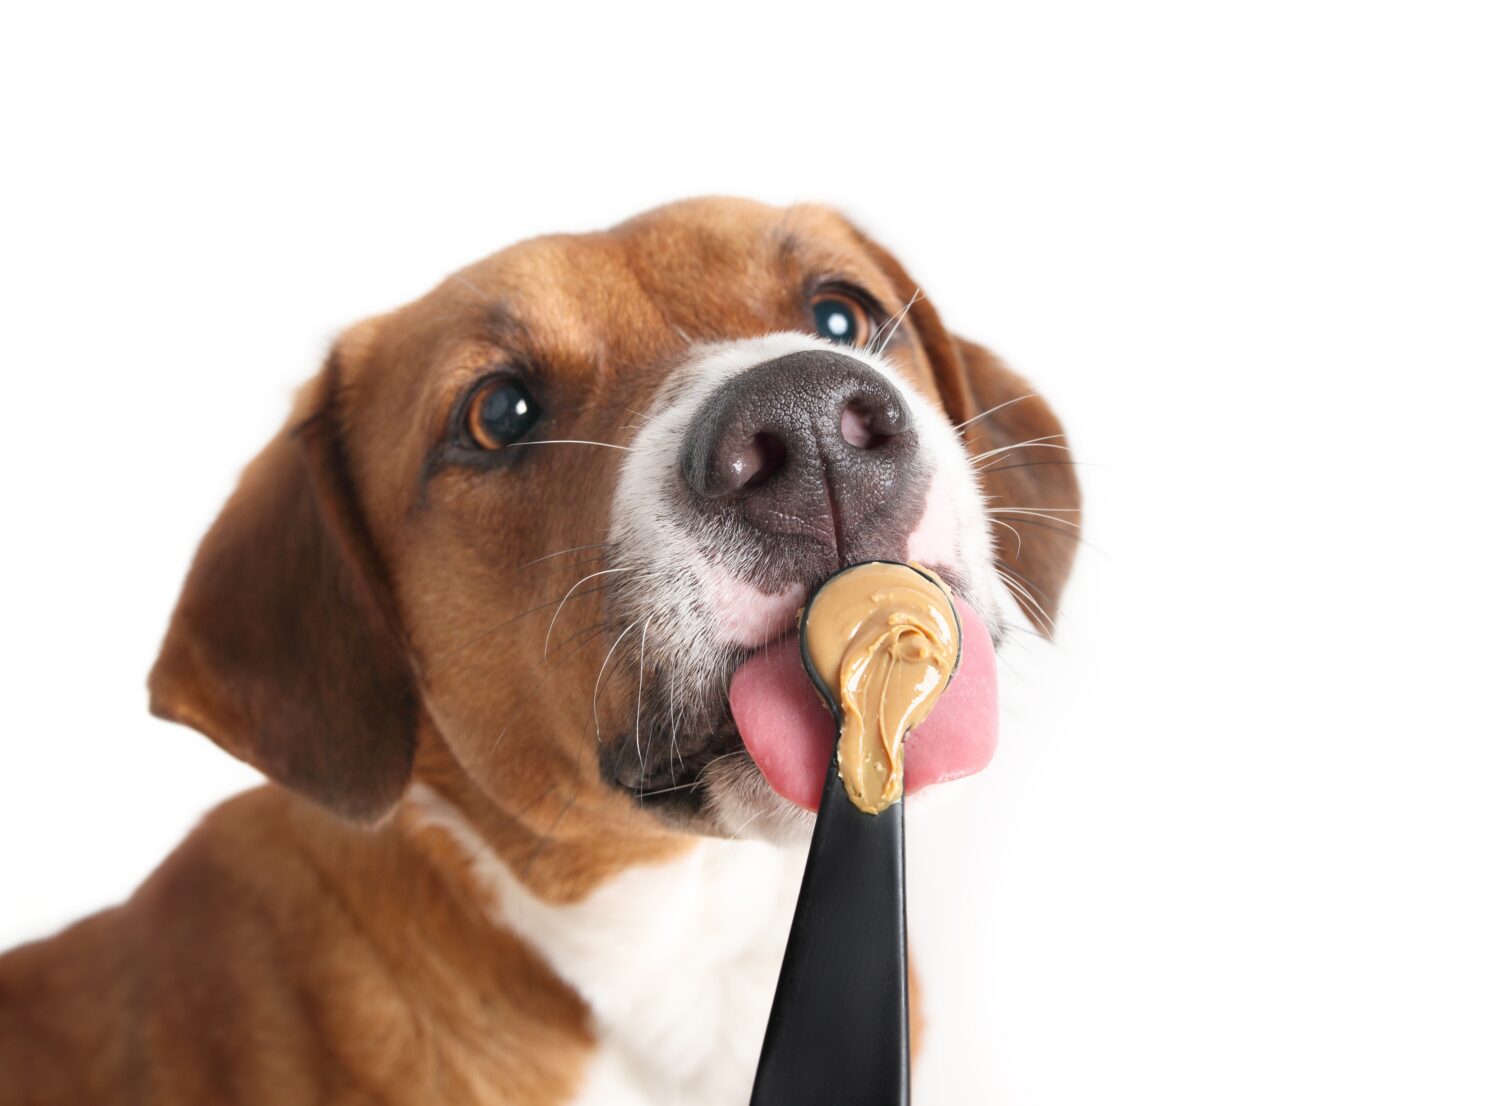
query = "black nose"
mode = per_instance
[{"x": 814, "y": 447}]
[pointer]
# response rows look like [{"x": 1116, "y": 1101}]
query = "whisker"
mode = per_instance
[
  {"x": 588, "y": 634},
  {"x": 1013, "y": 577},
  {"x": 570, "y": 441},
  {"x": 598, "y": 731},
  {"x": 1009, "y": 627},
  {"x": 1019, "y": 445},
  {"x": 538, "y": 797},
  {"x": 1032, "y": 464},
  {"x": 489, "y": 631},
  {"x": 1015, "y": 571},
  {"x": 1019, "y": 591},
  {"x": 561, "y": 552},
  {"x": 997, "y": 407},
  {"x": 547, "y": 838},
  {"x": 1074, "y": 535},
  {"x": 1013, "y": 530},
  {"x": 895, "y": 323},
  {"x": 640, "y": 688},
  {"x": 594, "y": 576},
  {"x": 1043, "y": 445},
  {"x": 569, "y": 566},
  {"x": 697, "y": 781},
  {"x": 738, "y": 829},
  {"x": 671, "y": 718},
  {"x": 1044, "y": 526},
  {"x": 1036, "y": 514}
]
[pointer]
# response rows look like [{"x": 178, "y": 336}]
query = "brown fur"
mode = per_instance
[{"x": 362, "y": 615}]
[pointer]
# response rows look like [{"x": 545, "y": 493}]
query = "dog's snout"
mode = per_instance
[{"x": 814, "y": 444}]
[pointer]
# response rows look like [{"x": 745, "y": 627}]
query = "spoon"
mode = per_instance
[{"x": 839, "y": 1026}]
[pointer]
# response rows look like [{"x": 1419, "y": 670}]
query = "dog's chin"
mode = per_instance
[{"x": 744, "y": 805}]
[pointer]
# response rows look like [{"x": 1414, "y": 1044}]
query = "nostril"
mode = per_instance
[
  {"x": 857, "y": 431},
  {"x": 755, "y": 462}
]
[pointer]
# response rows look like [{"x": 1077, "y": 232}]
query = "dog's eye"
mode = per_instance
[
  {"x": 840, "y": 318},
  {"x": 499, "y": 413}
]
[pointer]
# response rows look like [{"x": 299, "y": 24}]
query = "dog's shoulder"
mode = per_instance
[
  {"x": 145, "y": 1000},
  {"x": 280, "y": 955},
  {"x": 62, "y": 1001}
]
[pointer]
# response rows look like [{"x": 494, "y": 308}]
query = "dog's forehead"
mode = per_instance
[
  {"x": 698, "y": 270},
  {"x": 701, "y": 255},
  {"x": 710, "y": 265}
]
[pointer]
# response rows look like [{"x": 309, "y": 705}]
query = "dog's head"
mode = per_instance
[{"x": 535, "y": 522}]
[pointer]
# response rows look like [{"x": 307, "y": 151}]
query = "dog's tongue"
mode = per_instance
[{"x": 789, "y": 732}]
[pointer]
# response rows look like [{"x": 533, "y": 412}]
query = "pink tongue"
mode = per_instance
[{"x": 789, "y": 732}]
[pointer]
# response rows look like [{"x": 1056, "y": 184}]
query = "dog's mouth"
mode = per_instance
[
  {"x": 757, "y": 746},
  {"x": 678, "y": 742},
  {"x": 759, "y": 475},
  {"x": 675, "y": 781}
]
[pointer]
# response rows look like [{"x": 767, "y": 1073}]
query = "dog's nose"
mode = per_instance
[{"x": 814, "y": 444}]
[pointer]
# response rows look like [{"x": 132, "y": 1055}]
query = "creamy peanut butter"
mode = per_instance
[{"x": 884, "y": 638}]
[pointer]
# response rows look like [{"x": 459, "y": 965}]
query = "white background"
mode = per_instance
[{"x": 1240, "y": 842}]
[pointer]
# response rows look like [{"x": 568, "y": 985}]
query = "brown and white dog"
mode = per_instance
[{"x": 477, "y": 612}]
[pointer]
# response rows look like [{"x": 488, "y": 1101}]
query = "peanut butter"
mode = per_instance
[{"x": 885, "y": 639}]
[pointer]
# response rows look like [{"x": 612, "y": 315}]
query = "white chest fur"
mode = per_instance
[{"x": 677, "y": 961}]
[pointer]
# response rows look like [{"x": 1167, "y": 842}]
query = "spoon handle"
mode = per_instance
[{"x": 838, "y": 1032}]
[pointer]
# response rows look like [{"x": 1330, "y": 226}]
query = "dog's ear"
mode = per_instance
[
  {"x": 1017, "y": 446},
  {"x": 284, "y": 647},
  {"x": 1028, "y": 474}
]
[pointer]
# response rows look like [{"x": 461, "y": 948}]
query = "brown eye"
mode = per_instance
[
  {"x": 840, "y": 318},
  {"x": 500, "y": 413}
]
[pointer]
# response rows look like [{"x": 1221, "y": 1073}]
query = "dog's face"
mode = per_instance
[{"x": 537, "y": 519}]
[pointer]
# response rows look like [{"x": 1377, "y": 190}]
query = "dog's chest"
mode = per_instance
[{"x": 677, "y": 962}]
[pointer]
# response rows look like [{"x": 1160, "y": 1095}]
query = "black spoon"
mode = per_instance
[{"x": 838, "y": 1034}]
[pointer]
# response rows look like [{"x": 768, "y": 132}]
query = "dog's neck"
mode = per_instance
[
  {"x": 559, "y": 831},
  {"x": 676, "y": 958}
]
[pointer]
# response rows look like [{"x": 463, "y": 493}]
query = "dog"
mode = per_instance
[{"x": 478, "y": 613}]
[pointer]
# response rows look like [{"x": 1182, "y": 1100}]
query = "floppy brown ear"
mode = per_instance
[
  {"x": 1028, "y": 474},
  {"x": 284, "y": 647},
  {"x": 1018, "y": 447}
]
